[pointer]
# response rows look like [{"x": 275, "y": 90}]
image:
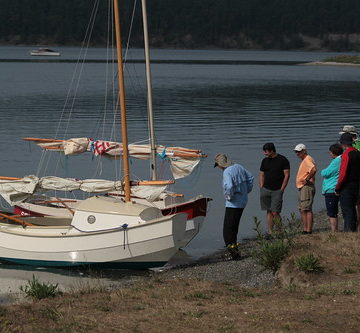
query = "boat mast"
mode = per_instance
[
  {"x": 124, "y": 136},
  {"x": 153, "y": 168}
]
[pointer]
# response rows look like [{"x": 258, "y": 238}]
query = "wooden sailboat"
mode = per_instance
[
  {"x": 103, "y": 231},
  {"x": 168, "y": 203}
]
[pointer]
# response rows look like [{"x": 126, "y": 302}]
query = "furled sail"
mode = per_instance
[
  {"x": 18, "y": 190},
  {"x": 183, "y": 161}
]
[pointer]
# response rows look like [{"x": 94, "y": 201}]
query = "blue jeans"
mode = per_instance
[{"x": 348, "y": 198}]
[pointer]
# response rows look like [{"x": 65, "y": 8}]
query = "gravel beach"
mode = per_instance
[{"x": 245, "y": 273}]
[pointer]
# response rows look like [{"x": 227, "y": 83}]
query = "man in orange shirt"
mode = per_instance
[{"x": 305, "y": 183}]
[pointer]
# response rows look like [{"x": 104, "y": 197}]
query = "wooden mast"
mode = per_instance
[
  {"x": 149, "y": 93},
  {"x": 124, "y": 136}
]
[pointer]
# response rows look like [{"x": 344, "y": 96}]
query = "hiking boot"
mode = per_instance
[{"x": 233, "y": 250}]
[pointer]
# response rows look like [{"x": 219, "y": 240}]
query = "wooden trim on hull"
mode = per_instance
[{"x": 195, "y": 208}]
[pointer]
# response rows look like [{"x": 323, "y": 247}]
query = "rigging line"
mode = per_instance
[
  {"x": 127, "y": 50},
  {"x": 70, "y": 89},
  {"x": 113, "y": 130},
  {"x": 126, "y": 65},
  {"x": 99, "y": 166},
  {"x": 99, "y": 169},
  {"x": 41, "y": 162},
  {"x": 130, "y": 30},
  {"x": 106, "y": 85},
  {"x": 115, "y": 100},
  {"x": 109, "y": 62},
  {"x": 81, "y": 59},
  {"x": 99, "y": 128},
  {"x": 115, "y": 97},
  {"x": 108, "y": 41},
  {"x": 139, "y": 142},
  {"x": 82, "y": 65}
]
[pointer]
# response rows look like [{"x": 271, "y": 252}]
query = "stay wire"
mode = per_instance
[{"x": 77, "y": 74}]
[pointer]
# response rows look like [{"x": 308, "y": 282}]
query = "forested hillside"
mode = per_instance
[{"x": 267, "y": 24}]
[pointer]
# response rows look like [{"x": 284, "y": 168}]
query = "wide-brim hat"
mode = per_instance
[
  {"x": 349, "y": 129},
  {"x": 222, "y": 160}
]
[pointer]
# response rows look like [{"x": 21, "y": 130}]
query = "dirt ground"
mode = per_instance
[{"x": 301, "y": 302}]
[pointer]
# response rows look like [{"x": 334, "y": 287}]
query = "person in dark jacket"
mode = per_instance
[{"x": 349, "y": 181}]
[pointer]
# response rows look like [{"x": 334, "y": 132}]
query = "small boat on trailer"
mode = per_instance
[{"x": 44, "y": 52}]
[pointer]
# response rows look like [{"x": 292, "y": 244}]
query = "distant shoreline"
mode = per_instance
[
  {"x": 330, "y": 63},
  {"x": 167, "y": 61}
]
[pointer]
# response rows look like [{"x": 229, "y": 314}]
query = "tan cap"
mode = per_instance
[{"x": 222, "y": 160}]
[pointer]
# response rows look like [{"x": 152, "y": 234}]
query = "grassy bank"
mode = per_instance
[
  {"x": 326, "y": 301},
  {"x": 344, "y": 59}
]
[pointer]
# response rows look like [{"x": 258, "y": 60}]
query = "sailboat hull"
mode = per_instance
[
  {"x": 149, "y": 245},
  {"x": 196, "y": 210}
]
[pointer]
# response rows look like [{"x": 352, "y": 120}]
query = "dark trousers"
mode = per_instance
[
  {"x": 348, "y": 199},
  {"x": 231, "y": 224}
]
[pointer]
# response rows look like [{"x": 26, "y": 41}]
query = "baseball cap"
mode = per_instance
[{"x": 300, "y": 147}]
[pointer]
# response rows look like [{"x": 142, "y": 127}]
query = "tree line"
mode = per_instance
[{"x": 267, "y": 24}]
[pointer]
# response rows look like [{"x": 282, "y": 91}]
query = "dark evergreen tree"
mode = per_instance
[{"x": 186, "y": 23}]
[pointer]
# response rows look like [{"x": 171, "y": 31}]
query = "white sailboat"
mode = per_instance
[
  {"x": 102, "y": 231},
  {"x": 182, "y": 161}
]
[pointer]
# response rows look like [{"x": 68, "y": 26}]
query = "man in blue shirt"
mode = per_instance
[{"x": 237, "y": 183}]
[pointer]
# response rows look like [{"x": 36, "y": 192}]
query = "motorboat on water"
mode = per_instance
[{"x": 44, "y": 52}]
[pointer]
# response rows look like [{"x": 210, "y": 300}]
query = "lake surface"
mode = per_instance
[{"x": 232, "y": 109}]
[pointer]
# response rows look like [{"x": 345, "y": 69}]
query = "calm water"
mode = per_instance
[{"x": 218, "y": 108}]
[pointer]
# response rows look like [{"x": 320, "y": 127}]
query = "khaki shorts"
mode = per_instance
[{"x": 306, "y": 197}]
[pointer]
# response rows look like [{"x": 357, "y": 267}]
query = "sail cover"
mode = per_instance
[
  {"x": 15, "y": 191},
  {"x": 182, "y": 160}
]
